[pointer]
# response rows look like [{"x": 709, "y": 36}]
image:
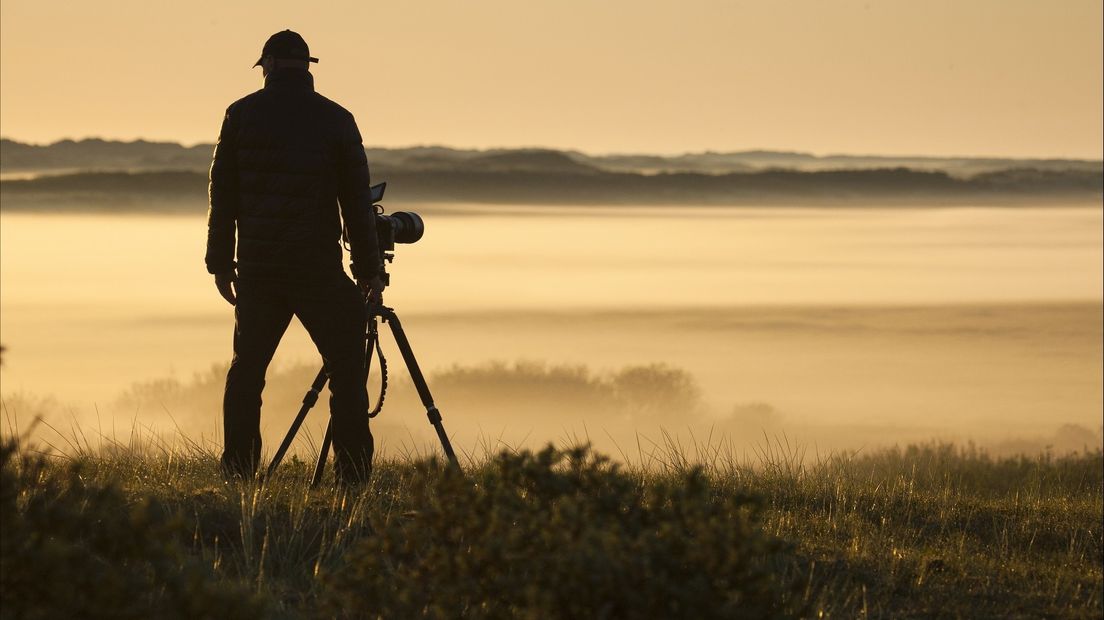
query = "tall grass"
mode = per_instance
[{"x": 148, "y": 528}]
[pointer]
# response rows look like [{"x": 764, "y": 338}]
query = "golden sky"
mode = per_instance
[{"x": 936, "y": 77}]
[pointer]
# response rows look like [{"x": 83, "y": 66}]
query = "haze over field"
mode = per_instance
[{"x": 834, "y": 329}]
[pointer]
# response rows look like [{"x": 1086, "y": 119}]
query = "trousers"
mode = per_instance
[{"x": 332, "y": 311}]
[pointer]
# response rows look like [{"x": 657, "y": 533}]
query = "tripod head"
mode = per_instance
[{"x": 386, "y": 258}]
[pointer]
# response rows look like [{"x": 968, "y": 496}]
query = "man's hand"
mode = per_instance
[
  {"x": 224, "y": 282},
  {"x": 372, "y": 289}
]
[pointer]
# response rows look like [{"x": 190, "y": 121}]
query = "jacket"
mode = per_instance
[{"x": 288, "y": 168}]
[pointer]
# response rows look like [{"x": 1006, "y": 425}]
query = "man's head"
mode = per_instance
[{"x": 284, "y": 49}]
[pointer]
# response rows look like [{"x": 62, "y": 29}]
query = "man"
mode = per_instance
[{"x": 288, "y": 168}]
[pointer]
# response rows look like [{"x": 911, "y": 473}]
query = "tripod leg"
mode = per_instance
[
  {"x": 432, "y": 412},
  {"x": 324, "y": 451},
  {"x": 309, "y": 400},
  {"x": 323, "y": 454}
]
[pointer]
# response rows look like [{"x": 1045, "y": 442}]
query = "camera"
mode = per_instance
[{"x": 399, "y": 227}]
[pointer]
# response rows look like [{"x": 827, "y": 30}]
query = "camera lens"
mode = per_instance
[{"x": 408, "y": 226}]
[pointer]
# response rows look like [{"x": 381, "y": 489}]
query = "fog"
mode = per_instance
[{"x": 824, "y": 329}]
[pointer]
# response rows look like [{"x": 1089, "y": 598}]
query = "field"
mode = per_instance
[
  {"x": 810, "y": 413},
  {"x": 149, "y": 529}
]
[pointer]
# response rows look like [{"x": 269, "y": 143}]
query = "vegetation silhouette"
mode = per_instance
[{"x": 148, "y": 528}]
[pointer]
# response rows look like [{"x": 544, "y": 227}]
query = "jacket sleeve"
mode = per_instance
[
  {"x": 224, "y": 199},
  {"x": 355, "y": 198}
]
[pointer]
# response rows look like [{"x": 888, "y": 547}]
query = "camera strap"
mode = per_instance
[{"x": 374, "y": 343}]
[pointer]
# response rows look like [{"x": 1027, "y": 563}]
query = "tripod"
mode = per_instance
[{"x": 375, "y": 311}]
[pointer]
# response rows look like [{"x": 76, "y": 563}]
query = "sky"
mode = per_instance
[{"x": 1009, "y": 78}]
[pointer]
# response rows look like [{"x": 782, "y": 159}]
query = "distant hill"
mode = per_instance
[
  {"x": 516, "y": 183},
  {"x": 104, "y": 155},
  {"x": 96, "y": 154},
  {"x": 106, "y": 175}
]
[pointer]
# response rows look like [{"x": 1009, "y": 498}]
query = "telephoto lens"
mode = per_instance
[
  {"x": 399, "y": 227},
  {"x": 407, "y": 226}
]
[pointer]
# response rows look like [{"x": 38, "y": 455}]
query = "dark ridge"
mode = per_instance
[
  {"x": 139, "y": 155},
  {"x": 478, "y": 182},
  {"x": 529, "y": 160},
  {"x": 169, "y": 182}
]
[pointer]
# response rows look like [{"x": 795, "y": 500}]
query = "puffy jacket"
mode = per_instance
[{"x": 289, "y": 166}]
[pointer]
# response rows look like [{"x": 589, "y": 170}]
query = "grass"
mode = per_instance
[{"x": 150, "y": 530}]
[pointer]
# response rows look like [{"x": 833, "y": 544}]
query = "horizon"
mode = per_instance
[{"x": 530, "y": 147}]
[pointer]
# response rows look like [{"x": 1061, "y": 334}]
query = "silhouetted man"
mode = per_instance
[{"x": 288, "y": 168}]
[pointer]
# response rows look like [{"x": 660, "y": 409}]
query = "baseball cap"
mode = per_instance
[{"x": 286, "y": 45}]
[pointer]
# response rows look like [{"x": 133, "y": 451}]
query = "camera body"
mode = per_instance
[{"x": 399, "y": 227}]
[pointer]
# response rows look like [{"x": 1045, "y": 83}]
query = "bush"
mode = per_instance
[
  {"x": 561, "y": 534},
  {"x": 76, "y": 550}
]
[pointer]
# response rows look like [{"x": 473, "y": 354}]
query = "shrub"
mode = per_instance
[
  {"x": 561, "y": 534},
  {"x": 76, "y": 550}
]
